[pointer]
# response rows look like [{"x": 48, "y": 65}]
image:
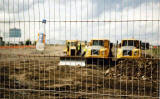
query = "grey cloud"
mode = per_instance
[
  {"x": 119, "y": 5},
  {"x": 18, "y": 5}
]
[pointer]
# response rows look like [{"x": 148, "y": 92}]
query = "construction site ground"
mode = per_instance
[{"x": 25, "y": 75}]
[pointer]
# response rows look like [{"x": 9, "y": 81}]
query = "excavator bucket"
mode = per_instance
[{"x": 72, "y": 61}]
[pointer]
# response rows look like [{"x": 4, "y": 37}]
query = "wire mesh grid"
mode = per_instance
[{"x": 79, "y": 49}]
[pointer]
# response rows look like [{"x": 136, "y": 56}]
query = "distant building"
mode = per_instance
[{"x": 15, "y": 32}]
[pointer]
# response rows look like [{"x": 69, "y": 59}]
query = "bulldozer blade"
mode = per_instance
[{"x": 72, "y": 61}]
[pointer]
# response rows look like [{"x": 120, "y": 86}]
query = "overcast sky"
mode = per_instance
[{"x": 82, "y": 10}]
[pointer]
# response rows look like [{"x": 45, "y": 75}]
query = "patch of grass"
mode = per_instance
[{"x": 156, "y": 51}]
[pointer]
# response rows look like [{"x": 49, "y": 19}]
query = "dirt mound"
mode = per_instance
[
  {"x": 145, "y": 69},
  {"x": 48, "y": 79}
]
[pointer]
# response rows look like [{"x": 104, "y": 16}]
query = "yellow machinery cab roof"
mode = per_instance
[
  {"x": 101, "y": 39},
  {"x": 71, "y": 40},
  {"x": 131, "y": 39}
]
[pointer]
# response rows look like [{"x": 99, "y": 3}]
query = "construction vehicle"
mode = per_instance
[
  {"x": 73, "y": 53},
  {"x": 98, "y": 51},
  {"x": 145, "y": 46},
  {"x": 129, "y": 48},
  {"x": 71, "y": 48}
]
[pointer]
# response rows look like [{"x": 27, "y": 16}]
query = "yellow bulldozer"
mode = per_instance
[
  {"x": 73, "y": 53},
  {"x": 98, "y": 51},
  {"x": 129, "y": 48},
  {"x": 71, "y": 48}
]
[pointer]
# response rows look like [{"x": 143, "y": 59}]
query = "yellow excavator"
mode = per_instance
[
  {"x": 73, "y": 53},
  {"x": 129, "y": 48},
  {"x": 98, "y": 51}
]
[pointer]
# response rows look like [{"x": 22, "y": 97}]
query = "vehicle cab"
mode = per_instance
[
  {"x": 98, "y": 48},
  {"x": 129, "y": 48}
]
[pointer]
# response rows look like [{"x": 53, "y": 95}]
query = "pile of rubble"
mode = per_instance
[{"x": 145, "y": 69}]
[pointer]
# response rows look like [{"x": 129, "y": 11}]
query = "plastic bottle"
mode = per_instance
[{"x": 40, "y": 46}]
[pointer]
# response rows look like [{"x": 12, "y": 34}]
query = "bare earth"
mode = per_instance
[{"x": 23, "y": 76}]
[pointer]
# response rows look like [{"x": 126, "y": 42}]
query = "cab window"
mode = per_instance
[
  {"x": 131, "y": 43},
  {"x": 98, "y": 42}
]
